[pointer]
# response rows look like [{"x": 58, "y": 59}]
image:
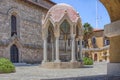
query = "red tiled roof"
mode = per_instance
[
  {"x": 95, "y": 30},
  {"x": 58, "y": 11}
]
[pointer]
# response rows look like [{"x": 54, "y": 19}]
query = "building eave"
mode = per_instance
[
  {"x": 39, "y": 4},
  {"x": 98, "y": 30}
]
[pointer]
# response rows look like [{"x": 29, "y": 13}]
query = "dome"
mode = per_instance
[{"x": 58, "y": 11}]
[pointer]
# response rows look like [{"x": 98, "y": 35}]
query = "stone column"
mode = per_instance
[
  {"x": 57, "y": 49},
  {"x": 80, "y": 49},
  {"x": 76, "y": 49},
  {"x": 45, "y": 51},
  {"x": 113, "y": 32},
  {"x": 52, "y": 50},
  {"x": 73, "y": 59}
]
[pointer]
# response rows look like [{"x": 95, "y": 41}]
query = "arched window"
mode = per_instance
[
  {"x": 13, "y": 25},
  {"x": 65, "y": 30},
  {"x": 65, "y": 34},
  {"x": 65, "y": 27}
]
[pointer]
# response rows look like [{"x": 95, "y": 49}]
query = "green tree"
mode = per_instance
[{"x": 88, "y": 31}]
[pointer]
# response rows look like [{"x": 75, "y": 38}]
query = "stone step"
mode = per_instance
[
  {"x": 21, "y": 64},
  {"x": 89, "y": 78}
]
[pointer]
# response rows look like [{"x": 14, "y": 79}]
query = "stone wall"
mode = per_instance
[
  {"x": 32, "y": 55},
  {"x": 3, "y": 52},
  {"x": 29, "y": 17}
]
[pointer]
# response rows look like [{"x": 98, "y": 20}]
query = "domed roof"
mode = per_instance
[{"x": 58, "y": 11}]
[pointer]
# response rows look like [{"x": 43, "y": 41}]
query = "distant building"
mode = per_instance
[{"x": 99, "y": 46}]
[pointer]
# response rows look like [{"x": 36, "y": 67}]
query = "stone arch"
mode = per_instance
[
  {"x": 65, "y": 24},
  {"x": 48, "y": 34},
  {"x": 45, "y": 28},
  {"x": 65, "y": 39},
  {"x": 18, "y": 45},
  {"x": 65, "y": 17},
  {"x": 51, "y": 42}
]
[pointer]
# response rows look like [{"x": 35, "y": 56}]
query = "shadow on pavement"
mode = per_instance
[{"x": 98, "y": 77}]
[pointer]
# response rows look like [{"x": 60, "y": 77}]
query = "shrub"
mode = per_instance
[
  {"x": 6, "y": 66},
  {"x": 87, "y": 61}
]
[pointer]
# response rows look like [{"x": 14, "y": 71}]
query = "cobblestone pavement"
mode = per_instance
[{"x": 34, "y": 72}]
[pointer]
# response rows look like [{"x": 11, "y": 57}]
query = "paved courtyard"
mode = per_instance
[{"x": 34, "y": 72}]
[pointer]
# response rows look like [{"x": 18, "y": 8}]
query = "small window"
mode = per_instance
[
  {"x": 13, "y": 25},
  {"x": 36, "y": 0},
  {"x": 83, "y": 44},
  {"x": 107, "y": 42},
  {"x": 93, "y": 40}
]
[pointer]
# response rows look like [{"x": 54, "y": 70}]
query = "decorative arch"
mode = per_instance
[
  {"x": 65, "y": 26},
  {"x": 45, "y": 27},
  {"x": 15, "y": 41},
  {"x": 50, "y": 32},
  {"x": 65, "y": 17},
  {"x": 65, "y": 35},
  {"x": 47, "y": 22}
]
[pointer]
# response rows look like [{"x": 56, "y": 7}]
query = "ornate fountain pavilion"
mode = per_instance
[{"x": 61, "y": 32}]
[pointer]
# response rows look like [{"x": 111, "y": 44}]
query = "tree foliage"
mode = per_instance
[{"x": 88, "y": 31}]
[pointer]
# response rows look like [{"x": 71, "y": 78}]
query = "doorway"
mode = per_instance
[{"x": 14, "y": 54}]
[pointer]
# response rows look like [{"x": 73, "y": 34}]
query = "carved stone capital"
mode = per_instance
[{"x": 73, "y": 36}]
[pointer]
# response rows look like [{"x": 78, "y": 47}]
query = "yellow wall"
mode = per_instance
[
  {"x": 99, "y": 35},
  {"x": 99, "y": 42}
]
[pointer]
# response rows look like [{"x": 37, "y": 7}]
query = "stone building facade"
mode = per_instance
[
  {"x": 20, "y": 29},
  {"x": 99, "y": 40},
  {"x": 98, "y": 46}
]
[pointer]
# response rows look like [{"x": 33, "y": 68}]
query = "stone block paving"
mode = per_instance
[{"x": 35, "y": 72}]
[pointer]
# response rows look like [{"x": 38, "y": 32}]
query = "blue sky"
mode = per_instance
[{"x": 87, "y": 11}]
